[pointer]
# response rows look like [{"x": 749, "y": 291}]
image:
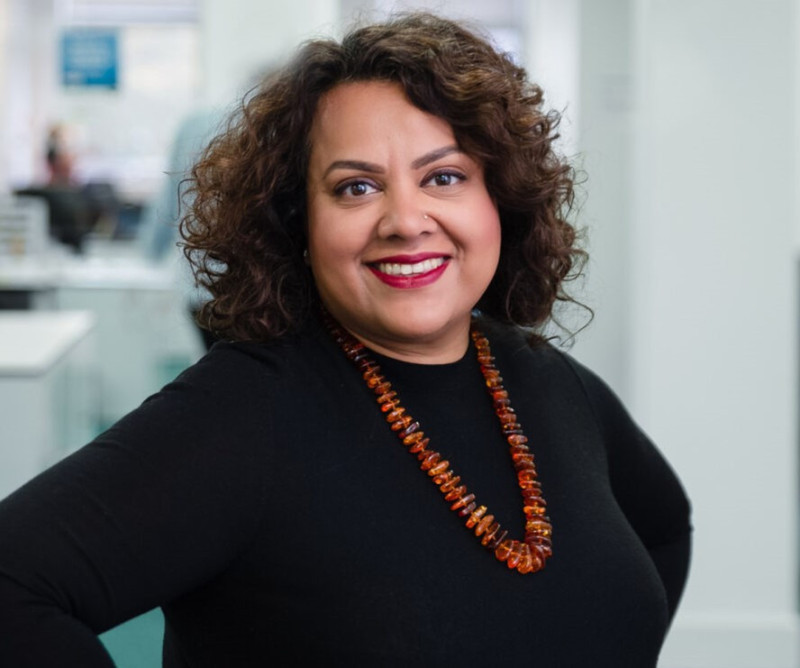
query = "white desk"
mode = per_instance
[
  {"x": 46, "y": 390},
  {"x": 143, "y": 332}
]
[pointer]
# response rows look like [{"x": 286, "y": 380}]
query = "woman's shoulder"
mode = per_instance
[
  {"x": 245, "y": 362},
  {"x": 527, "y": 353},
  {"x": 524, "y": 346}
]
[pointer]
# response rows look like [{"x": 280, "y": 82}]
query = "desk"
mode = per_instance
[
  {"x": 46, "y": 390},
  {"x": 144, "y": 332},
  {"x": 144, "y": 335}
]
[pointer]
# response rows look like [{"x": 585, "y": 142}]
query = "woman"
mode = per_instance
[{"x": 300, "y": 496}]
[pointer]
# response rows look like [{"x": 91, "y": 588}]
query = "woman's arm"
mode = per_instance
[
  {"x": 151, "y": 509},
  {"x": 645, "y": 486}
]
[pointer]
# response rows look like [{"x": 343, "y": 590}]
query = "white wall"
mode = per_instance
[
  {"x": 242, "y": 37},
  {"x": 26, "y": 87},
  {"x": 687, "y": 133},
  {"x": 605, "y": 76},
  {"x": 713, "y": 364}
]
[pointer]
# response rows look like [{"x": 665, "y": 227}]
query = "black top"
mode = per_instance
[{"x": 262, "y": 500}]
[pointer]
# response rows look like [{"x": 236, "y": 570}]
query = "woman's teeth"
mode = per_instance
[{"x": 396, "y": 269}]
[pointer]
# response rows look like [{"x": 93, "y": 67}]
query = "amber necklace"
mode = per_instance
[{"x": 528, "y": 555}]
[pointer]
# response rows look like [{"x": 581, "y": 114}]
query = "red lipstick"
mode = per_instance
[{"x": 418, "y": 279}]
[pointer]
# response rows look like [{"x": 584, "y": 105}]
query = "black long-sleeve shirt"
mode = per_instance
[{"x": 263, "y": 502}]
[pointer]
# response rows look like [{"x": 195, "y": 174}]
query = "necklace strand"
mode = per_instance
[{"x": 529, "y": 554}]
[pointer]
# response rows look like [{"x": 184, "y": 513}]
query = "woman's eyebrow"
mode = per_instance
[
  {"x": 362, "y": 166},
  {"x": 434, "y": 155},
  {"x": 359, "y": 165}
]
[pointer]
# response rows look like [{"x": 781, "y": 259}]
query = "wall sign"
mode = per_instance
[{"x": 89, "y": 57}]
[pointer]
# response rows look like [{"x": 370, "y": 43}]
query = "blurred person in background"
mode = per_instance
[{"x": 59, "y": 157}]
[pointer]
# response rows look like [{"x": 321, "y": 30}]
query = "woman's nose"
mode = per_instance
[{"x": 405, "y": 216}]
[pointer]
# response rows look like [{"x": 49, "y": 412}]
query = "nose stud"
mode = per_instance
[{"x": 425, "y": 216}]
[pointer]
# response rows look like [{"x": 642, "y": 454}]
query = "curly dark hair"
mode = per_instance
[{"x": 245, "y": 229}]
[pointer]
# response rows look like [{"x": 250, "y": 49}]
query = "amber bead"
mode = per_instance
[
  {"x": 525, "y": 565},
  {"x": 524, "y": 462},
  {"x": 382, "y": 388},
  {"x": 538, "y": 525},
  {"x": 389, "y": 395},
  {"x": 440, "y": 468},
  {"x": 456, "y": 493},
  {"x": 410, "y": 429},
  {"x": 501, "y": 403},
  {"x": 467, "y": 510},
  {"x": 412, "y": 438},
  {"x": 534, "y": 539},
  {"x": 538, "y": 550},
  {"x": 498, "y": 537},
  {"x": 389, "y": 406},
  {"x": 535, "y": 488},
  {"x": 526, "y": 562},
  {"x": 526, "y": 477},
  {"x": 533, "y": 491},
  {"x": 499, "y": 393},
  {"x": 539, "y": 546},
  {"x": 442, "y": 478},
  {"x": 374, "y": 381},
  {"x": 419, "y": 445},
  {"x": 534, "y": 506},
  {"x": 517, "y": 439},
  {"x": 396, "y": 414},
  {"x": 479, "y": 512},
  {"x": 517, "y": 450},
  {"x": 507, "y": 416},
  {"x": 401, "y": 423},
  {"x": 484, "y": 524},
  {"x": 490, "y": 533},
  {"x": 362, "y": 360},
  {"x": 450, "y": 484},
  {"x": 463, "y": 501},
  {"x": 515, "y": 554},
  {"x": 504, "y": 550},
  {"x": 428, "y": 460}
]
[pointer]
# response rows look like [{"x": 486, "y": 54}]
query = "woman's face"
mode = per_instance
[{"x": 403, "y": 237}]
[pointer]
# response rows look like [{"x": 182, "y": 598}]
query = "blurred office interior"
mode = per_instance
[{"x": 681, "y": 113}]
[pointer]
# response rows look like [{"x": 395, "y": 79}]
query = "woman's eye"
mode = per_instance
[
  {"x": 445, "y": 179},
  {"x": 355, "y": 189}
]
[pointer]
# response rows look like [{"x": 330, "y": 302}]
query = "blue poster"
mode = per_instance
[{"x": 89, "y": 57}]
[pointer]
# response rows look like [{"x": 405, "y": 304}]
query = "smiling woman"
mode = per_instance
[
  {"x": 383, "y": 232},
  {"x": 405, "y": 239}
]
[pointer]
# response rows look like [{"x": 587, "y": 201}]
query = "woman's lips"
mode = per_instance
[{"x": 409, "y": 271}]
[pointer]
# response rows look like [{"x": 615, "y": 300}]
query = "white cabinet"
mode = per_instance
[{"x": 47, "y": 390}]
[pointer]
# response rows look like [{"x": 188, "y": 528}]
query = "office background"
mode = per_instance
[{"x": 683, "y": 116}]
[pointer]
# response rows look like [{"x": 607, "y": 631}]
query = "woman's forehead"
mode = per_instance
[{"x": 371, "y": 118}]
